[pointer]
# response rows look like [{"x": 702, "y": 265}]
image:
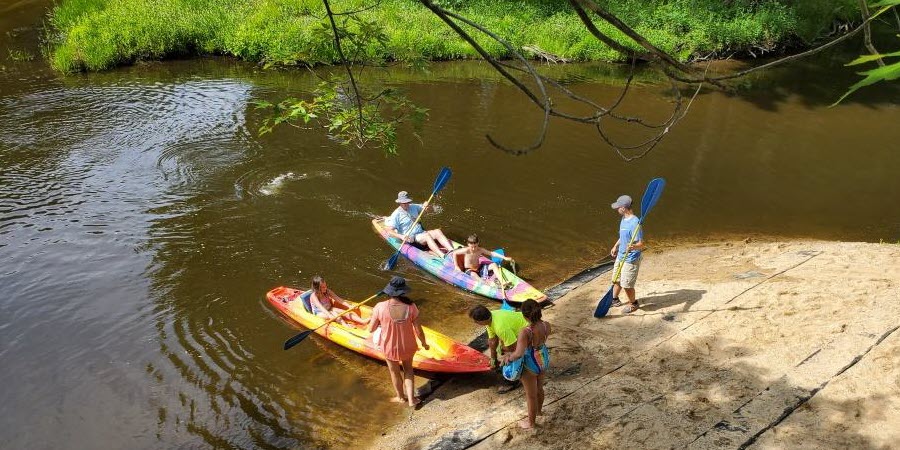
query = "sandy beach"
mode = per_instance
[{"x": 741, "y": 344}]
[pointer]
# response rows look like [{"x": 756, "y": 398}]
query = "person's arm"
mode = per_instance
[
  {"x": 455, "y": 260},
  {"x": 417, "y": 327},
  {"x": 615, "y": 248},
  {"x": 393, "y": 232},
  {"x": 390, "y": 225},
  {"x": 374, "y": 323},
  {"x": 490, "y": 254},
  {"x": 638, "y": 243},
  {"x": 421, "y": 334},
  {"x": 521, "y": 345},
  {"x": 337, "y": 300},
  {"x": 492, "y": 348}
]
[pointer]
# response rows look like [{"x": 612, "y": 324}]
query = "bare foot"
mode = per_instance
[
  {"x": 415, "y": 402},
  {"x": 398, "y": 400},
  {"x": 525, "y": 424}
]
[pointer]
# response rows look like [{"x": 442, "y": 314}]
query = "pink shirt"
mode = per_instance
[{"x": 398, "y": 337}]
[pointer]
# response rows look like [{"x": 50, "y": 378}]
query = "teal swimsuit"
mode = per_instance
[{"x": 537, "y": 359}]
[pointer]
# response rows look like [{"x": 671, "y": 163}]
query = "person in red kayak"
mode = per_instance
[
  {"x": 476, "y": 261},
  {"x": 398, "y": 321},
  {"x": 402, "y": 218},
  {"x": 327, "y": 305}
]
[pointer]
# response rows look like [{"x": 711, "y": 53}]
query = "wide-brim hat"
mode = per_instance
[
  {"x": 622, "y": 201},
  {"x": 403, "y": 197},
  {"x": 396, "y": 287}
]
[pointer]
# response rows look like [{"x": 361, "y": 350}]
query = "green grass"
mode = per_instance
[
  {"x": 19, "y": 55},
  {"x": 100, "y": 34}
]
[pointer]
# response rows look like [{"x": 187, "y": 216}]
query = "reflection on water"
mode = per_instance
[{"x": 142, "y": 221}]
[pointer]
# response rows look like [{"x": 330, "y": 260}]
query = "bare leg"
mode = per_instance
[
  {"x": 439, "y": 235},
  {"x": 617, "y": 288},
  {"x": 357, "y": 318},
  {"x": 397, "y": 380},
  {"x": 629, "y": 292},
  {"x": 540, "y": 394},
  {"x": 409, "y": 383},
  {"x": 350, "y": 316},
  {"x": 529, "y": 382},
  {"x": 432, "y": 245}
]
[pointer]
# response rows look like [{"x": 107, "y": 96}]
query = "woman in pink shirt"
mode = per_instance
[{"x": 398, "y": 319}]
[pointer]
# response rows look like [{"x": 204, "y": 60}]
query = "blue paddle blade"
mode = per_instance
[
  {"x": 604, "y": 304},
  {"x": 507, "y": 306},
  {"x": 296, "y": 339},
  {"x": 442, "y": 179},
  {"x": 392, "y": 262},
  {"x": 497, "y": 259},
  {"x": 651, "y": 196}
]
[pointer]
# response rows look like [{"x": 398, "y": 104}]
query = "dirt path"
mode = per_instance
[{"x": 737, "y": 345}]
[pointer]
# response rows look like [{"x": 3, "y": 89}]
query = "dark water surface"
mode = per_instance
[{"x": 142, "y": 220}]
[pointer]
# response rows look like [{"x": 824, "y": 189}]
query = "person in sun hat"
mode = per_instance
[
  {"x": 629, "y": 255},
  {"x": 397, "y": 320},
  {"x": 399, "y": 222}
]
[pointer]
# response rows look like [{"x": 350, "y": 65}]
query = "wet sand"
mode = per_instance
[{"x": 737, "y": 345}]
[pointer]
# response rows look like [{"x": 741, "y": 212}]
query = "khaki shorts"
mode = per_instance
[{"x": 629, "y": 274}]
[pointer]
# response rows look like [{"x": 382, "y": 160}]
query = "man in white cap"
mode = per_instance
[
  {"x": 630, "y": 253},
  {"x": 402, "y": 218}
]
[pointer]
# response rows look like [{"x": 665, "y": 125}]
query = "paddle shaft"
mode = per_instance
[
  {"x": 625, "y": 256},
  {"x": 347, "y": 311}
]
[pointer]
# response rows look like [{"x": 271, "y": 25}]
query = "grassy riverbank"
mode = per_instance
[{"x": 99, "y": 34}]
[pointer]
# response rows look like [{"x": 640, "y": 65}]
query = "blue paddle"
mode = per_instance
[
  {"x": 439, "y": 183},
  {"x": 499, "y": 261},
  {"x": 651, "y": 196}
]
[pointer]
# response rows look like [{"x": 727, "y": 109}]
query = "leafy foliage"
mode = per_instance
[
  {"x": 885, "y": 72},
  {"x": 331, "y": 107},
  {"x": 888, "y": 72}
]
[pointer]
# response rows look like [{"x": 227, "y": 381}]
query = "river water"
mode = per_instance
[{"x": 142, "y": 220}]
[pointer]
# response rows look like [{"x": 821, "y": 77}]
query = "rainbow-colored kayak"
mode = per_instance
[
  {"x": 446, "y": 270},
  {"x": 444, "y": 354}
]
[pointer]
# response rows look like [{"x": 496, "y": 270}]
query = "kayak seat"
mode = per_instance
[{"x": 304, "y": 298}]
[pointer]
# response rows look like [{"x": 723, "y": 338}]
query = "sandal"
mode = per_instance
[
  {"x": 616, "y": 303},
  {"x": 631, "y": 307}
]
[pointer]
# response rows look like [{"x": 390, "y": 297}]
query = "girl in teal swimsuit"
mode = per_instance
[{"x": 532, "y": 346}]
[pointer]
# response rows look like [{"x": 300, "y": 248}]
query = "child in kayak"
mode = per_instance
[
  {"x": 476, "y": 261},
  {"x": 327, "y": 305}
]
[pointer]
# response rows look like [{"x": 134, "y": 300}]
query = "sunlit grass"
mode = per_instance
[{"x": 99, "y": 34}]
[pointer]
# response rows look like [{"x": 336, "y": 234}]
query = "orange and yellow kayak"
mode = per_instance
[{"x": 445, "y": 355}]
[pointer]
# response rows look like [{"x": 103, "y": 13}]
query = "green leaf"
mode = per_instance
[
  {"x": 868, "y": 58},
  {"x": 887, "y": 73},
  {"x": 884, "y": 3}
]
